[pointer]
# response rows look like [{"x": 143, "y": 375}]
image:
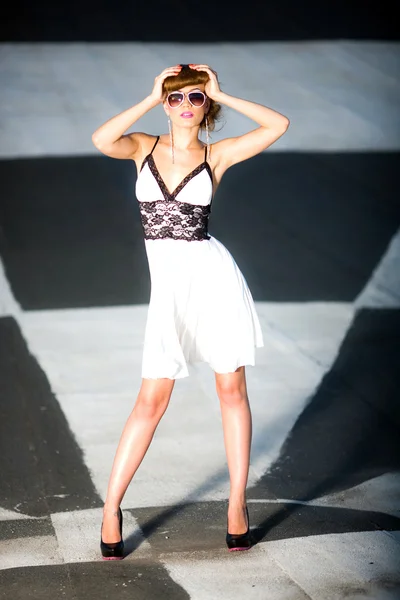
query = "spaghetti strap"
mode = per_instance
[
  {"x": 147, "y": 156},
  {"x": 158, "y": 137},
  {"x": 205, "y": 154}
]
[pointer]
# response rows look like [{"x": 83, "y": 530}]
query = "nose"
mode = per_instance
[{"x": 186, "y": 102}]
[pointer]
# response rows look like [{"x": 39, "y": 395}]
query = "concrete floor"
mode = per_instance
[{"x": 323, "y": 261}]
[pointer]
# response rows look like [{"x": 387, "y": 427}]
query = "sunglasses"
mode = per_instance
[{"x": 196, "y": 99}]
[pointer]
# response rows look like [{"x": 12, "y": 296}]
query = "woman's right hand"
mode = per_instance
[{"x": 157, "y": 93}]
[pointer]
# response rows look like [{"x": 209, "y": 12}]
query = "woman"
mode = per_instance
[{"x": 201, "y": 308}]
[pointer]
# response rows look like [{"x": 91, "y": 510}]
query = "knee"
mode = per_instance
[
  {"x": 151, "y": 406},
  {"x": 232, "y": 395}
]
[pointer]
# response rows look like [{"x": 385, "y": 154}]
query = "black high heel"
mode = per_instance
[
  {"x": 241, "y": 541},
  {"x": 113, "y": 551}
]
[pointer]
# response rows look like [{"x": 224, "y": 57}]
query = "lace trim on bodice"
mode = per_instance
[
  {"x": 170, "y": 218},
  {"x": 156, "y": 174}
]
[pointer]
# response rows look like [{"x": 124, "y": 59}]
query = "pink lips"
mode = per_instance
[{"x": 187, "y": 115}]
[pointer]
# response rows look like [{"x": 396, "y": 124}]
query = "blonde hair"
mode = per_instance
[{"x": 188, "y": 76}]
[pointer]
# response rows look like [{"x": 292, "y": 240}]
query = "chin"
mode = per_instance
[{"x": 187, "y": 123}]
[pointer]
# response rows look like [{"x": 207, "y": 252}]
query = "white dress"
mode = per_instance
[{"x": 201, "y": 308}]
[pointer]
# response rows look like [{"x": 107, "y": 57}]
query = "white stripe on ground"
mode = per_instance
[
  {"x": 327, "y": 567},
  {"x": 339, "y": 95},
  {"x": 92, "y": 358},
  {"x": 252, "y": 575},
  {"x": 76, "y": 539},
  {"x": 29, "y": 552},
  {"x": 78, "y": 535},
  {"x": 361, "y": 563}
]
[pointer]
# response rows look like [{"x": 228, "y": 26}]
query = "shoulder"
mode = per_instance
[
  {"x": 218, "y": 149},
  {"x": 144, "y": 145},
  {"x": 144, "y": 141}
]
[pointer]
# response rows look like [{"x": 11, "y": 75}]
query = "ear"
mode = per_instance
[{"x": 207, "y": 106}]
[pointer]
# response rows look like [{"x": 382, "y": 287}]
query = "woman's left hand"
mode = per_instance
[{"x": 212, "y": 88}]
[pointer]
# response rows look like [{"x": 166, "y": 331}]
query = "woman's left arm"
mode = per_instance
[{"x": 272, "y": 124}]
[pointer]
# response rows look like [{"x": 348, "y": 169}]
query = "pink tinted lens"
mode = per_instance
[
  {"x": 196, "y": 98},
  {"x": 175, "y": 99}
]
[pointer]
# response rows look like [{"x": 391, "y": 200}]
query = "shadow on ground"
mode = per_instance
[{"x": 349, "y": 431}]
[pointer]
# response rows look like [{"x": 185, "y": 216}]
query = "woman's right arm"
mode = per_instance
[{"x": 110, "y": 138}]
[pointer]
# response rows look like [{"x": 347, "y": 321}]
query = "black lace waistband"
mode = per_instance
[{"x": 170, "y": 219}]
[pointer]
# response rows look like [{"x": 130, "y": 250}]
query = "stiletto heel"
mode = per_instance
[
  {"x": 242, "y": 541},
  {"x": 113, "y": 551}
]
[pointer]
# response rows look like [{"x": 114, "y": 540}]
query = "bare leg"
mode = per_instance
[
  {"x": 237, "y": 427},
  {"x": 151, "y": 404}
]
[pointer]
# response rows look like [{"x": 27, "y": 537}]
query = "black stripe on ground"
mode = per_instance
[
  {"x": 89, "y": 581},
  {"x": 158, "y": 21},
  {"x": 302, "y": 226},
  {"x": 201, "y": 526},
  {"x": 25, "y": 528},
  {"x": 41, "y": 466}
]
